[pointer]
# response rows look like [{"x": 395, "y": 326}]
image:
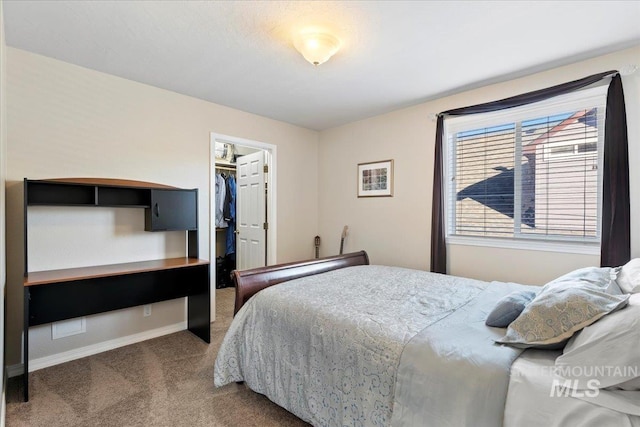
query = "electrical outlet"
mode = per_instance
[{"x": 147, "y": 310}]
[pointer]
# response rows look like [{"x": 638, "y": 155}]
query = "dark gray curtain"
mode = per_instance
[
  {"x": 616, "y": 175},
  {"x": 438, "y": 244},
  {"x": 616, "y": 217}
]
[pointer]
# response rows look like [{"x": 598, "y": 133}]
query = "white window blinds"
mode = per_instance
[{"x": 531, "y": 172}]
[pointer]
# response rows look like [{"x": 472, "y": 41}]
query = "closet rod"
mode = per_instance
[{"x": 226, "y": 168}]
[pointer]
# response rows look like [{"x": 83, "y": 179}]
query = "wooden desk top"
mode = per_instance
[{"x": 71, "y": 274}]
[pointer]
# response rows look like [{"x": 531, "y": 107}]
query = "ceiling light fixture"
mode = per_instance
[{"x": 316, "y": 46}]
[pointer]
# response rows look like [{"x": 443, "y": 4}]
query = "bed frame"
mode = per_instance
[{"x": 249, "y": 282}]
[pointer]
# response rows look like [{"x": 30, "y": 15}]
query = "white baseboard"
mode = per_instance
[
  {"x": 3, "y": 410},
  {"x": 78, "y": 353}
]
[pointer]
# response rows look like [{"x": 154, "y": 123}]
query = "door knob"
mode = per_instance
[{"x": 236, "y": 232}]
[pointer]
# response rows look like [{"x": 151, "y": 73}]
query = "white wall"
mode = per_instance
[
  {"x": 397, "y": 230},
  {"x": 68, "y": 121},
  {"x": 3, "y": 169}
]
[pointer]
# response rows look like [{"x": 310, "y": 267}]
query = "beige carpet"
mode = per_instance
[{"x": 166, "y": 381}]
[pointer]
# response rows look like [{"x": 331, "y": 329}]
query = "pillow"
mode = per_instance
[
  {"x": 629, "y": 277},
  {"x": 509, "y": 307},
  {"x": 607, "y": 351},
  {"x": 562, "y": 308},
  {"x": 599, "y": 277}
]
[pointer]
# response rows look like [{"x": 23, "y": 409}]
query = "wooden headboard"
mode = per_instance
[{"x": 249, "y": 282}]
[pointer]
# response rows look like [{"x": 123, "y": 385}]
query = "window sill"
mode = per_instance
[{"x": 527, "y": 244}]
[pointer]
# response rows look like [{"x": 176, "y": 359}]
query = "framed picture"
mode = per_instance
[{"x": 375, "y": 179}]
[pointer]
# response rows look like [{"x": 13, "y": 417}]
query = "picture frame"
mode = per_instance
[{"x": 375, "y": 179}]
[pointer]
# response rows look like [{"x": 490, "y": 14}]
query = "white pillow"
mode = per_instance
[
  {"x": 629, "y": 277},
  {"x": 599, "y": 277},
  {"x": 607, "y": 351}
]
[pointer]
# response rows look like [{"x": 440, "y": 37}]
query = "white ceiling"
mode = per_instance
[{"x": 395, "y": 53}]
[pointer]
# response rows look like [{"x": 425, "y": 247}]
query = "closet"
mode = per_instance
[
  {"x": 240, "y": 221},
  {"x": 240, "y": 214},
  {"x": 225, "y": 222}
]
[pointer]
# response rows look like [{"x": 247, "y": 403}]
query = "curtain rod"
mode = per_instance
[{"x": 529, "y": 97}]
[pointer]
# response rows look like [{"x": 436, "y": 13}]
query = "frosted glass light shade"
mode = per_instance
[{"x": 316, "y": 47}]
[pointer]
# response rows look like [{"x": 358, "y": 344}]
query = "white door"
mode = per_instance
[{"x": 251, "y": 212}]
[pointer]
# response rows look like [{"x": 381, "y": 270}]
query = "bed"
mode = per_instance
[{"x": 341, "y": 342}]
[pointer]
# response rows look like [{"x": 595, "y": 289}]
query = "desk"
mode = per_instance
[{"x": 51, "y": 296}]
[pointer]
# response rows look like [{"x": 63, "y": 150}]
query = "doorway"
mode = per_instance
[{"x": 248, "y": 240}]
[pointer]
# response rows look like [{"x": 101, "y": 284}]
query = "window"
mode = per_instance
[{"x": 527, "y": 174}]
